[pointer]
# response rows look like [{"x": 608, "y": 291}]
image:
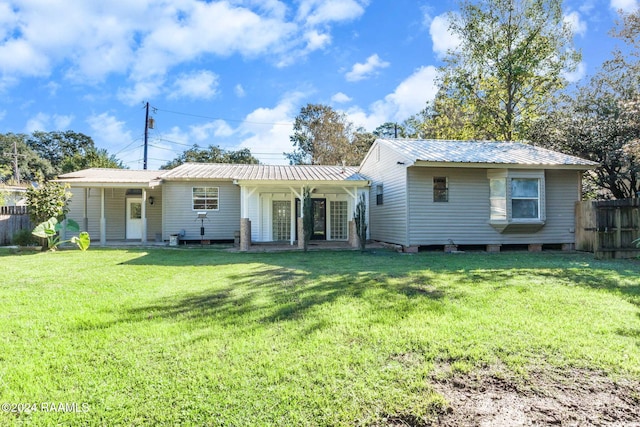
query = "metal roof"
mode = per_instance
[
  {"x": 211, "y": 171},
  {"x": 110, "y": 176},
  {"x": 490, "y": 152}
]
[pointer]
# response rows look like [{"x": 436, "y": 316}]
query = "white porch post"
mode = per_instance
[
  {"x": 103, "y": 220},
  {"x": 245, "y": 222},
  {"x": 144, "y": 216},
  {"x": 293, "y": 218},
  {"x": 294, "y": 221},
  {"x": 85, "y": 219}
]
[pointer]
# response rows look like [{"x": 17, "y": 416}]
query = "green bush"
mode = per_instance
[{"x": 24, "y": 238}]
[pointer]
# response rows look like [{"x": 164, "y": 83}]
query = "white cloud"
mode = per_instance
[
  {"x": 144, "y": 40},
  {"x": 316, "y": 40},
  {"x": 141, "y": 91},
  {"x": 204, "y": 132},
  {"x": 196, "y": 85},
  {"x": 577, "y": 25},
  {"x": 442, "y": 38},
  {"x": 362, "y": 71},
  {"x": 266, "y": 130},
  {"x": 46, "y": 122},
  {"x": 409, "y": 98},
  {"x": 340, "y": 98},
  {"x": 578, "y": 74},
  {"x": 239, "y": 91},
  {"x": 626, "y": 5},
  {"x": 317, "y": 12},
  {"x": 110, "y": 133}
]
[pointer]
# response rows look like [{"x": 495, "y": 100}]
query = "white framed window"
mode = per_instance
[
  {"x": 339, "y": 220},
  {"x": 516, "y": 197},
  {"x": 525, "y": 198},
  {"x": 205, "y": 198},
  {"x": 498, "y": 198}
]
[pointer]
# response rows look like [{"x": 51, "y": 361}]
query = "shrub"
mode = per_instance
[{"x": 24, "y": 238}]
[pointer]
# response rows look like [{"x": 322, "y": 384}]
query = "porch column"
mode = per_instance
[
  {"x": 245, "y": 222},
  {"x": 103, "y": 220},
  {"x": 85, "y": 219},
  {"x": 144, "y": 216},
  {"x": 293, "y": 219},
  {"x": 294, "y": 222},
  {"x": 300, "y": 221}
]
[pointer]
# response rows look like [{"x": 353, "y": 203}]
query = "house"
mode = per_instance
[
  {"x": 262, "y": 202},
  {"x": 436, "y": 192}
]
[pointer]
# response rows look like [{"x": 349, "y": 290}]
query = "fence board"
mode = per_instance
[
  {"x": 12, "y": 220},
  {"x": 608, "y": 228}
]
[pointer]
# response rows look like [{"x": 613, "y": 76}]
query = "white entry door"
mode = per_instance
[{"x": 134, "y": 219}]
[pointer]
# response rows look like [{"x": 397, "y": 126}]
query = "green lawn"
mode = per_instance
[{"x": 206, "y": 337}]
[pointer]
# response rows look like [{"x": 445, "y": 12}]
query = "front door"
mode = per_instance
[
  {"x": 134, "y": 219},
  {"x": 319, "y": 219}
]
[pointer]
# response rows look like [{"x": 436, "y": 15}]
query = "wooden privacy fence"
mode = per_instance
[
  {"x": 608, "y": 228},
  {"x": 12, "y": 220}
]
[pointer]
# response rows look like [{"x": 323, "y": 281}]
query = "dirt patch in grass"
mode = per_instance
[{"x": 574, "y": 397}]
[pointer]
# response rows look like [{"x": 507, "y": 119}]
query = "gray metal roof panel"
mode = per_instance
[
  {"x": 210, "y": 171},
  {"x": 491, "y": 152}
]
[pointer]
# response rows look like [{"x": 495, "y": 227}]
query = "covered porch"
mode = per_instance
[
  {"x": 123, "y": 206},
  {"x": 272, "y": 211}
]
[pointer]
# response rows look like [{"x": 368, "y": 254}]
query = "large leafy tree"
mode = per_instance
[
  {"x": 91, "y": 158},
  {"x": 601, "y": 121},
  {"x": 31, "y": 166},
  {"x": 212, "y": 154},
  {"x": 57, "y": 146},
  {"x": 321, "y": 136},
  {"x": 510, "y": 63}
]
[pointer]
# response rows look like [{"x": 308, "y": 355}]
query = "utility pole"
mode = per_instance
[
  {"x": 149, "y": 123},
  {"x": 16, "y": 156},
  {"x": 146, "y": 137}
]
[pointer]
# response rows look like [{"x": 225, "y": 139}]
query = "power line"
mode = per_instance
[{"x": 221, "y": 118}]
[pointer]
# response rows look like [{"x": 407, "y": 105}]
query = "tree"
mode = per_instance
[
  {"x": 47, "y": 201},
  {"x": 322, "y": 136},
  {"x": 509, "y": 65},
  {"x": 213, "y": 154},
  {"x": 92, "y": 158},
  {"x": 601, "y": 122},
  {"x": 31, "y": 166},
  {"x": 360, "y": 218},
  {"x": 361, "y": 142},
  {"x": 57, "y": 146}
]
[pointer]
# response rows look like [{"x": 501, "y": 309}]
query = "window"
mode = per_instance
[
  {"x": 440, "y": 189},
  {"x": 379, "y": 195},
  {"x": 498, "y": 198},
  {"x": 525, "y": 198},
  {"x": 339, "y": 210},
  {"x": 281, "y": 220},
  {"x": 516, "y": 199},
  {"x": 205, "y": 198}
]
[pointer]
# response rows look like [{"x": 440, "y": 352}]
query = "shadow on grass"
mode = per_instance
[
  {"x": 290, "y": 285},
  {"x": 282, "y": 293}
]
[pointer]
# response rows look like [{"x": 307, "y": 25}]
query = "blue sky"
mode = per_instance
[{"x": 231, "y": 73}]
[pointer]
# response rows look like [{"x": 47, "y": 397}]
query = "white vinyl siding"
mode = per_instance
[{"x": 387, "y": 221}]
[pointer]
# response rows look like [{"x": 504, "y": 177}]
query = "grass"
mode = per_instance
[{"x": 205, "y": 337}]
